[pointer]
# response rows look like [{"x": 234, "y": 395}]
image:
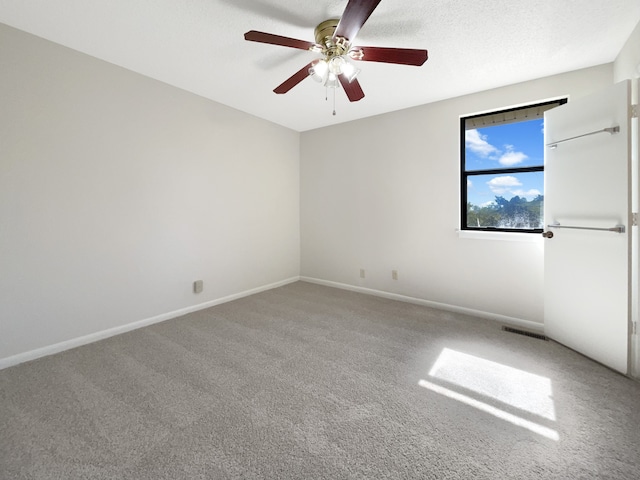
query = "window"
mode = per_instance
[{"x": 502, "y": 165}]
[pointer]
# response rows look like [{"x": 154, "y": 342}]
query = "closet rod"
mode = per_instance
[
  {"x": 610, "y": 130},
  {"x": 617, "y": 228}
]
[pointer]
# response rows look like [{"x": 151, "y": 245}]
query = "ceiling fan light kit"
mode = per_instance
[
  {"x": 327, "y": 71},
  {"x": 333, "y": 40}
]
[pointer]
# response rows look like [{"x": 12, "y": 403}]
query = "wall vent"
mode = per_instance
[{"x": 524, "y": 332}]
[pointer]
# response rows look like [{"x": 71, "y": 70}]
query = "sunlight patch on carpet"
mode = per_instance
[
  {"x": 482, "y": 381},
  {"x": 512, "y": 386},
  {"x": 501, "y": 414}
]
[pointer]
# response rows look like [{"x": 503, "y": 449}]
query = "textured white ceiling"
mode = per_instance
[{"x": 198, "y": 45}]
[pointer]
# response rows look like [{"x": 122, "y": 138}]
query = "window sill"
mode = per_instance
[{"x": 502, "y": 236}]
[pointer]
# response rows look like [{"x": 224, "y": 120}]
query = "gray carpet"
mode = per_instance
[{"x": 309, "y": 382}]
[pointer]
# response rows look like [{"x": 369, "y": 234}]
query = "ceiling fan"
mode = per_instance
[{"x": 333, "y": 40}]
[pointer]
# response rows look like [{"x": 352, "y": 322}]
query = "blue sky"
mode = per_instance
[{"x": 512, "y": 145}]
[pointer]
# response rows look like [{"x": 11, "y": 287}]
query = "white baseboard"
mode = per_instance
[
  {"x": 101, "y": 335},
  {"x": 510, "y": 321}
]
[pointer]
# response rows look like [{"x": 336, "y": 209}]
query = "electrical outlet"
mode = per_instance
[
  {"x": 394, "y": 274},
  {"x": 198, "y": 285},
  {"x": 362, "y": 273}
]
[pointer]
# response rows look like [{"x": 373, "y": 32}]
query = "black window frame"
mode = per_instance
[{"x": 465, "y": 174}]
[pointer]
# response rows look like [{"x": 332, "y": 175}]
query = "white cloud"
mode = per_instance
[
  {"x": 508, "y": 185},
  {"x": 478, "y": 143},
  {"x": 511, "y": 158},
  {"x": 469, "y": 183},
  {"x": 501, "y": 185},
  {"x": 528, "y": 194},
  {"x": 504, "y": 181}
]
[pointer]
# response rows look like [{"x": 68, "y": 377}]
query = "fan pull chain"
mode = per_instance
[{"x": 334, "y": 101}]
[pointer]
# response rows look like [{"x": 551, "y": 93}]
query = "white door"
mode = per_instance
[
  {"x": 635, "y": 248},
  {"x": 587, "y": 185}
]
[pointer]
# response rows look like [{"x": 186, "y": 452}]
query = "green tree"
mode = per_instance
[{"x": 516, "y": 213}]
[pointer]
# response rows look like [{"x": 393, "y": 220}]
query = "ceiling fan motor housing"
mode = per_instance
[{"x": 331, "y": 47}]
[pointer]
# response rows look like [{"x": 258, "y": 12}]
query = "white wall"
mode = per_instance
[
  {"x": 118, "y": 191},
  {"x": 391, "y": 201}
]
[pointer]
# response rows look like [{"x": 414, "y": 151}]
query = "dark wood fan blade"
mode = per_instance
[
  {"x": 355, "y": 14},
  {"x": 294, "y": 79},
  {"x": 262, "y": 37},
  {"x": 404, "y": 56},
  {"x": 351, "y": 88}
]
